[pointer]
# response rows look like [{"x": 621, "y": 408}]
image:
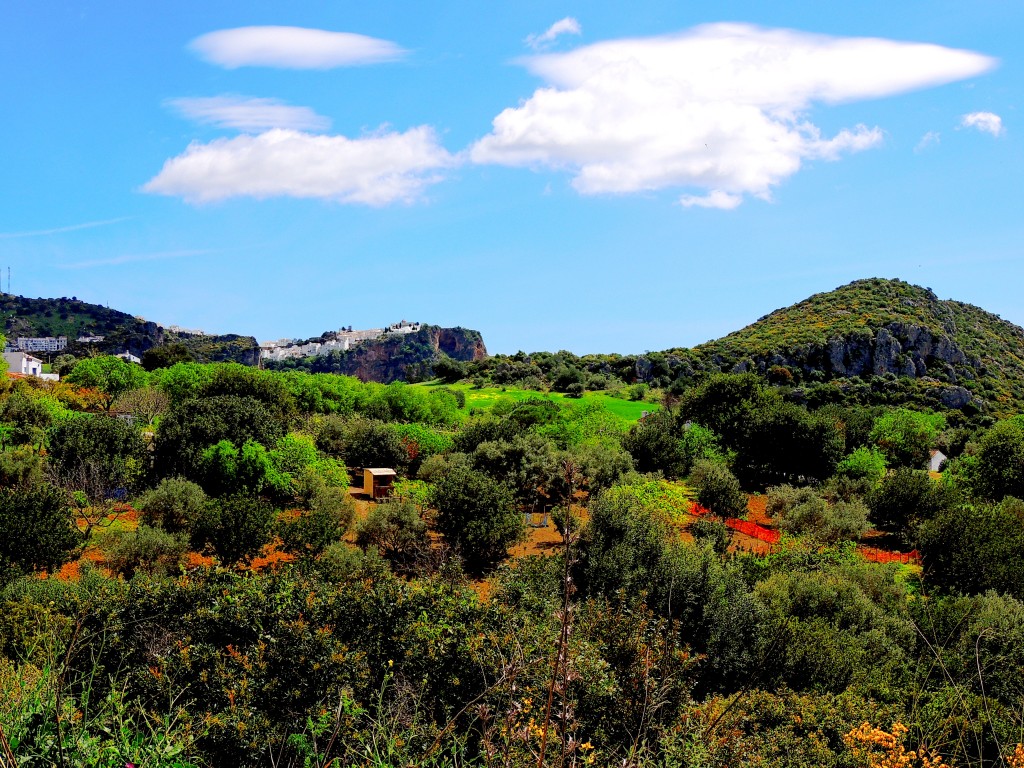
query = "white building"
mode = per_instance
[
  {"x": 343, "y": 340},
  {"x": 23, "y": 363},
  {"x": 935, "y": 462},
  {"x": 42, "y": 343},
  {"x": 90, "y": 339},
  {"x": 126, "y": 355}
]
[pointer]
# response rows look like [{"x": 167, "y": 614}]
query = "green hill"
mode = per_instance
[
  {"x": 23, "y": 316},
  {"x": 882, "y": 328}
]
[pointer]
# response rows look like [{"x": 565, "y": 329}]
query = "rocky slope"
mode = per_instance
[
  {"x": 877, "y": 327},
  {"x": 399, "y": 356}
]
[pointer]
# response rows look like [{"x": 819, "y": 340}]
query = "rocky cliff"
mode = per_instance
[{"x": 397, "y": 357}]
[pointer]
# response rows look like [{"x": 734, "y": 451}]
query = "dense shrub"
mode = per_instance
[
  {"x": 719, "y": 490},
  {"x": 477, "y": 516}
]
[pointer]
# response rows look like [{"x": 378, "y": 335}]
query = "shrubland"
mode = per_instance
[{"x": 187, "y": 577}]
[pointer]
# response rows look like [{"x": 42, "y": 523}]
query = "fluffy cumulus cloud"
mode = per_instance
[
  {"x": 720, "y": 109},
  {"x": 248, "y": 114},
  {"x": 986, "y": 122},
  {"x": 566, "y": 26},
  {"x": 292, "y": 48},
  {"x": 378, "y": 169}
]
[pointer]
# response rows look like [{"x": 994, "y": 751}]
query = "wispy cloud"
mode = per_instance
[
  {"x": 379, "y": 169},
  {"x": 292, "y": 48},
  {"x": 929, "y": 140},
  {"x": 246, "y": 113},
  {"x": 60, "y": 230},
  {"x": 986, "y": 122},
  {"x": 130, "y": 258},
  {"x": 566, "y": 26},
  {"x": 720, "y": 111}
]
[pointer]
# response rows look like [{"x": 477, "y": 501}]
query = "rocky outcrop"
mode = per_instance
[
  {"x": 899, "y": 349},
  {"x": 397, "y": 357}
]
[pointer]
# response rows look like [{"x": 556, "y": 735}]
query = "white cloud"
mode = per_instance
[
  {"x": 292, "y": 48},
  {"x": 714, "y": 199},
  {"x": 60, "y": 230},
  {"x": 929, "y": 140},
  {"x": 566, "y": 26},
  {"x": 135, "y": 257},
  {"x": 245, "y": 113},
  {"x": 720, "y": 108},
  {"x": 378, "y": 169},
  {"x": 986, "y": 122}
]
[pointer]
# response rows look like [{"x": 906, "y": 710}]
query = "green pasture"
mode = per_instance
[{"x": 485, "y": 398}]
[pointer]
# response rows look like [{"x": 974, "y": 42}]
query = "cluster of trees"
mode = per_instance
[{"x": 630, "y": 643}]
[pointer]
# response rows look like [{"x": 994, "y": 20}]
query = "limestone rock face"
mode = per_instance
[{"x": 392, "y": 358}]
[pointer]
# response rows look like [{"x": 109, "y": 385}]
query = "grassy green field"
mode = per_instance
[{"x": 483, "y": 399}]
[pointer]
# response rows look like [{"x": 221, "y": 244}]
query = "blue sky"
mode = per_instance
[{"x": 598, "y": 177}]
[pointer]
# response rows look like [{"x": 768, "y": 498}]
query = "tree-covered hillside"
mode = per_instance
[
  {"x": 121, "y": 332},
  {"x": 872, "y": 342},
  {"x": 875, "y": 327}
]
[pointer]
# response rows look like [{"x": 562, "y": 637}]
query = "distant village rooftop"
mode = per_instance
[{"x": 341, "y": 341}]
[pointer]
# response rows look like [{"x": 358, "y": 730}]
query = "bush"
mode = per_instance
[
  {"x": 864, "y": 463},
  {"x": 225, "y": 469},
  {"x": 234, "y": 527},
  {"x": 713, "y": 532},
  {"x": 905, "y": 498},
  {"x": 37, "y": 530},
  {"x": 149, "y": 550},
  {"x": 976, "y": 548},
  {"x": 174, "y": 505},
  {"x": 397, "y": 531},
  {"x": 477, "y": 516},
  {"x": 326, "y": 519},
  {"x": 102, "y": 456},
  {"x": 825, "y": 523},
  {"x": 719, "y": 490}
]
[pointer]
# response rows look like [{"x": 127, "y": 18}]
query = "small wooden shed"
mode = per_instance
[{"x": 377, "y": 481}]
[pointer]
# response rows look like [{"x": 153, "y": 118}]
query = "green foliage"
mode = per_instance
[
  {"x": 701, "y": 444},
  {"x": 974, "y": 548},
  {"x": 713, "y": 532},
  {"x": 1000, "y": 460},
  {"x": 906, "y": 437},
  {"x": 326, "y": 515},
  {"x": 149, "y": 550},
  {"x": 905, "y": 498},
  {"x": 102, "y": 456},
  {"x": 397, "y": 531},
  {"x": 719, "y": 490},
  {"x": 188, "y": 429},
  {"x": 234, "y": 527},
  {"x": 802, "y": 512},
  {"x": 864, "y": 463},
  {"x": 668, "y": 501},
  {"x": 37, "y": 530},
  {"x": 225, "y": 469},
  {"x": 110, "y": 375},
  {"x": 293, "y": 453},
  {"x": 183, "y": 381},
  {"x": 165, "y": 356},
  {"x": 477, "y": 516},
  {"x": 27, "y": 416},
  {"x": 174, "y": 505},
  {"x": 21, "y": 468},
  {"x": 655, "y": 445},
  {"x": 362, "y": 443}
]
